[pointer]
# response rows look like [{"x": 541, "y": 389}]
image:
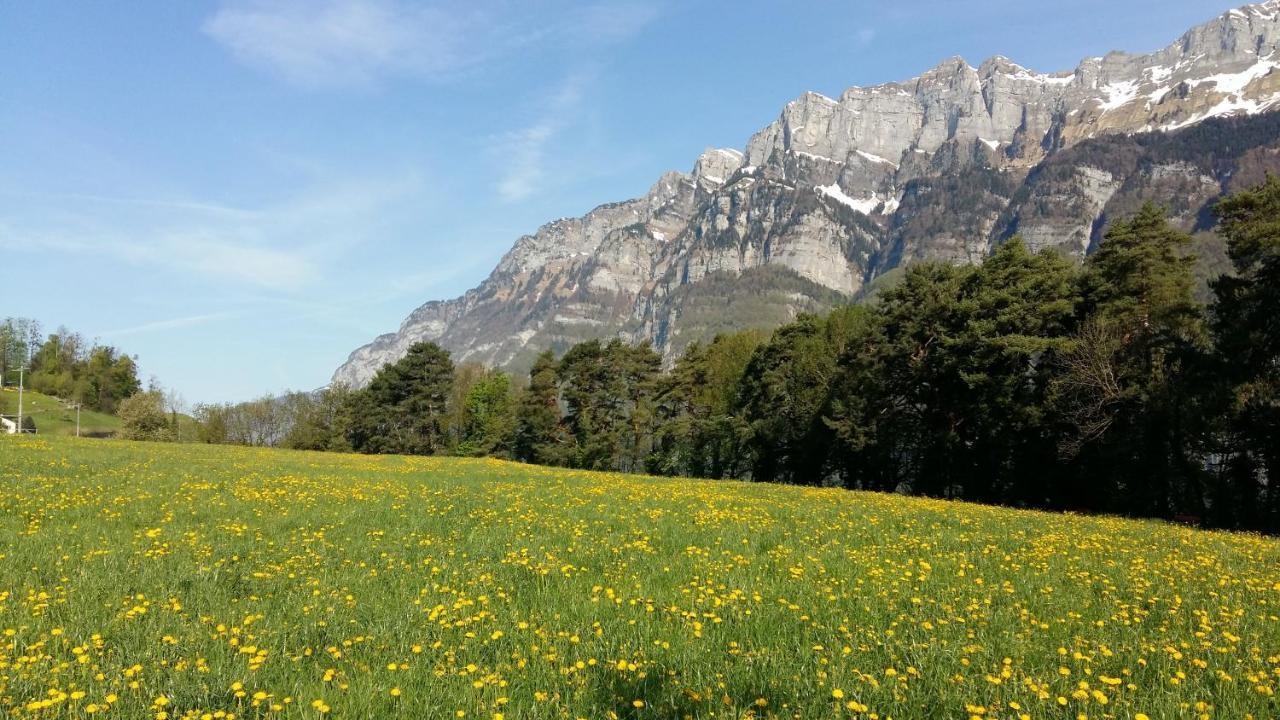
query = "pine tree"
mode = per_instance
[
  {"x": 699, "y": 432},
  {"x": 1246, "y": 327},
  {"x": 1017, "y": 311},
  {"x": 921, "y": 322},
  {"x": 538, "y": 438},
  {"x": 784, "y": 391},
  {"x": 1146, "y": 330},
  {"x": 403, "y": 408}
]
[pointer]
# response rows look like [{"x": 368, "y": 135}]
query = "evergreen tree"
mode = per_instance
[
  {"x": 699, "y": 432},
  {"x": 1135, "y": 450},
  {"x": 944, "y": 392},
  {"x": 784, "y": 390},
  {"x": 920, "y": 424},
  {"x": 859, "y": 410},
  {"x": 1246, "y": 329},
  {"x": 1017, "y": 312},
  {"x": 538, "y": 436},
  {"x": 403, "y": 408},
  {"x": 607, "y": 391}
]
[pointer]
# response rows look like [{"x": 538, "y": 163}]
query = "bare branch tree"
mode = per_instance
[{"x": 1088, "y": 390}]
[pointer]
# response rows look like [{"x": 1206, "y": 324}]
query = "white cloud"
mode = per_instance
[
  {"x": 338, "y": 43},
  {"x": 345, "y": 42},
  {"x": 171, "y": 324},
  {"x": 280, "y": 247},
  {"x": 613, "y": 22},
  {"x": 522, "y": 153},
  {"x": 204, "y": 252},
  {"x": 198, "y": 252}
]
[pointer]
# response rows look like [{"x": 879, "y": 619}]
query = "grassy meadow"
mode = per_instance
[{"x": 183, "y": 581}]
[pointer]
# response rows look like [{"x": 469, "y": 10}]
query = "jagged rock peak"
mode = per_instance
[
  {"x": 716, "y": 165},
  {"x": 835, "y": 193}
]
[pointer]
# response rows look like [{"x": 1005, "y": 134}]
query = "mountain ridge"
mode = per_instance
[{"x": 839, "y": 192}]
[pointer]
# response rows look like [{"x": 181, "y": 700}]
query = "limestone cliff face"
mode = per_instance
[{"x": 837, "y": 192}]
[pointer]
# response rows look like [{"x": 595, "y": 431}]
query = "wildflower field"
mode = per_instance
[{"x": 181, "y": 581}]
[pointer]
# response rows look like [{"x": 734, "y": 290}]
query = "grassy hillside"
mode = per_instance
[
  {"x": 169, "y": 581},
  {"x": 52, "y": 417}
]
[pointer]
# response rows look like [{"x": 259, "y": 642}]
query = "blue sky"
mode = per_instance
[{"x": 242, "y": 192}]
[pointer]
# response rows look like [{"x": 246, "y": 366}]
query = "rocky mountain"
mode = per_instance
[{"x": 827, "y": 200}]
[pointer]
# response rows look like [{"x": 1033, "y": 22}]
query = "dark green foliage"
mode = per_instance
[
  {"x": 403, "y": 409},
  {"x": 784, "y": 389},
  {"x": 1017, "y": 310},
  {"x": 944, "y": 393},
  {"x": 107, "y": 378},
  {"x": 607, "y": 391},
  {"x": 1246, "y": 328},
  {"x": 1125, "y": 387},
  {"x": 1026, "y": 380},
  {"x": 538, "y": 436},
  {"x": 699, "y": 431},
  {"x": 918, "y": 418}
]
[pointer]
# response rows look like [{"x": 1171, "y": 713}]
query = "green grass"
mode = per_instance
[
  {"x": 154, "y": 580},
  {"x": 52, "y": 417}
]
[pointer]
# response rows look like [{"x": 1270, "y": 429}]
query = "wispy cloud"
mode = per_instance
[
  {"x": 612, "y": 22},
  {"x": 203, "y": 251},
  {"x": 198, "y": 252},
  {"x": 280, "y": 247},
  {"x": 522, "y": 153},
  {"x": 342, "y": 43},
  {"x": 133, "y": 201},
  {"x": 170, "y": 324}
]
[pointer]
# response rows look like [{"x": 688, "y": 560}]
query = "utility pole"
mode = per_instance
[{"x": 21, "y": 368}]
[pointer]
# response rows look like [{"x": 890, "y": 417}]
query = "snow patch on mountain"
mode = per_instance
[{"x": 866, "y": 206}]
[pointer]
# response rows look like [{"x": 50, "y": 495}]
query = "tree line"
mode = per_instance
[
  {"x": 65, "y": 365},
  {"x": 1030, "y": 380},
  {"x": 421, "y": 405}
]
